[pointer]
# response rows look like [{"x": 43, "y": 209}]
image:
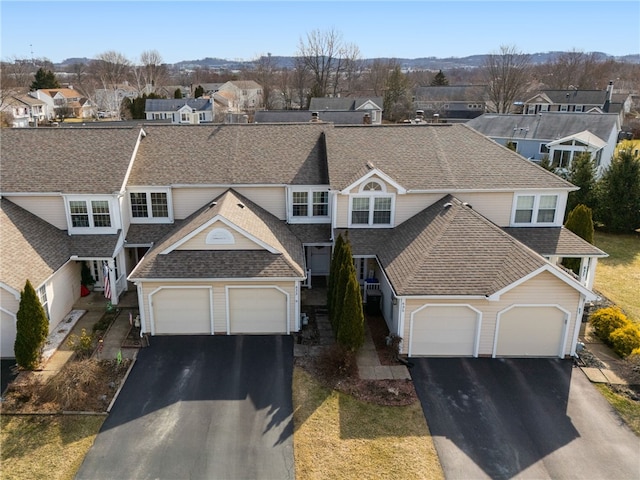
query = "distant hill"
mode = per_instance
[{"x": 425, "y": 63}]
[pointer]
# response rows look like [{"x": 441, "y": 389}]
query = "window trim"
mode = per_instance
[
  {"x": 536, "y": 209},
  {"x": 372, "y": 196},
  {"x": 309, "y": 217},
  {"x": 88, "y": 200},
  {"x": 150, "y": 218}
]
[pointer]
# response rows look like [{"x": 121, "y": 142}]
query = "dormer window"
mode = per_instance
[
  {"x": 309, "y": 205},
  {"x": 88, "y": 215},
  {"x": 150, "y": 206},
  {"x": 371, "y": 206},
  {"x": 535, "y": 209}
]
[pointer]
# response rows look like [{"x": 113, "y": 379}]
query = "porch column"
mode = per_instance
[{"x": 112, "y": 281}]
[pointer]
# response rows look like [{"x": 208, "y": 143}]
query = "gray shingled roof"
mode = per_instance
[
  {"x": 546, "y": 126},
  {"x": 578, "y": 97},
  {"x": 431, "y": 157},
  {"x": 312, "y": 232},
  {"x": 550, "y": 241},
  {"x": 341, "y": 103},
  {"x": 231, "y": 155},
  {"x": 173, "y": 105},
  {"x": 66, "y": 160},
  {"x": 302, "y": 116},
  {"x": 30, "y": 248},
  {"x": 227, "y": 263},
  {"x": 447, "y": 251},
  {"x": 452, "y": 93}
]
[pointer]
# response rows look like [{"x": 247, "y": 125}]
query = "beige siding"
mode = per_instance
[
  {"x": 241, "y": 242},
  {"x": 63, "y": 291},
  {"x": 219, "y": 300},
  {"x": 50, "y": 209},
  {"x": 188, "y": 200},
  {"x": 412, "y": 203},
  {"x": 543, "y": 289},
  {"x": 8, "y": 301},
  {"x": 342, "y": 213},
  {"x": 496, "y": 206},
  {"x": 125, "y": 211}
]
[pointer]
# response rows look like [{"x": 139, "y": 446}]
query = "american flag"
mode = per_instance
[{"x": 107, "y": 284}]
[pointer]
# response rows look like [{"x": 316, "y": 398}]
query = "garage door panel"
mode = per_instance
[
  {"x": 178, "y": 311},
  {"x": 444, "y": 331},
  {"x": 257, "y": 310},
  {"x": 531, "y": 332}
]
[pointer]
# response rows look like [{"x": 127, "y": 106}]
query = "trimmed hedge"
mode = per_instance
[
  {"x": 606, "y": 320},
  {"x": 625, "y": 340}
]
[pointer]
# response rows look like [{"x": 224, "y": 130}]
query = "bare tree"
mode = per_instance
[
  {"x": 264, "y": 74},
  {"x": 507, "y": 75},
  {"x": 326, "y": 57},
  {"x": 152, "y": 67},
  {"x": 376, "y": 75},
  {"x": 300, "y": 83},
  {"x": 110, "y": 69}
]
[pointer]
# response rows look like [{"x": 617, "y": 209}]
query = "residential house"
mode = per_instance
[
  {"x": 25, "y": 110},
  {"x": 451, "y": 103},
  {"x": 244, "y": 96},
  {"x": 557, "y": 135},
  {"x": 181, "y": 111},
  {"x": 66, "y": 100},
  {"x": 348, "y": 117},
  {"x": 220, "y": 227},
  {"x": 365, "y": 105}
]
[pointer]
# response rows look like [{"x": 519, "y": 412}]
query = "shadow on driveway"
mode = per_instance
[
  {"x": 526, "y": 418},
  {"x": 201, "y": 407}
]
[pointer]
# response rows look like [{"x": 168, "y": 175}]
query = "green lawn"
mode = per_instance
[
  {"x": 618, "y": 276},
  {"x": 626, "y": 408},
  {"x": 339, "y": 437},
  {"x": 45, "y": 446}
]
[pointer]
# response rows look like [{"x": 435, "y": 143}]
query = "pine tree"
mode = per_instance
[
  {"x": 439, "y": 80},
  {"x": 199, "y": 92},
  {"x": 32, "y": 328},
  {"x": 44, "y": 79},
  {"x": 177, "y": 93},
  {"x": 350, "y": 316},
  {"x": 333, "y": 271},
  {"x": 583, "y": 175},
  {"x": 618, "y": 205},
  {"x": 580, "y": 222}
]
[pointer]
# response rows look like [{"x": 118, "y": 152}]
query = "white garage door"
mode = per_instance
[
  {"x": 7, "y": 334},
  {"x": 257, "y": 310},
  {"x": 443, "y": 331},
  {"x": 531, "y": 332},
  {"x": 182, "y": 311}
]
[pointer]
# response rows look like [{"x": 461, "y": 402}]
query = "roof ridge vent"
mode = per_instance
[{"x": 448, "y": 204}]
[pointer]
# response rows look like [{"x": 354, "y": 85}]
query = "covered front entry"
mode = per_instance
[
  {"x": 531, "y": 331},
  {"x": 258, "y": 310},
  {"x": 444, "y": 330},
  {"x": 182, "y": 311}
]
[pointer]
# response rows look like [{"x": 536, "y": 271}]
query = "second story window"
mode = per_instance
[
  {"x": 535, "y": 209},
  {"x": 309, "y": 205},
  {"x": 372, "y": 206},
  {"x": 149, "y": 207},
  {"x": 90, "y": 214}
]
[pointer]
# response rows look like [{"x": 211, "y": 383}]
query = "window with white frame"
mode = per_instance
[
  {"x": 149, "y": 206},
  {"x": 42, "y": 296},
  {"x": 308, "y": 204},
  {"x": 372, "y": 206},
  {"x": 90, "y": 213},
  {"x": 535, "y": 209}
]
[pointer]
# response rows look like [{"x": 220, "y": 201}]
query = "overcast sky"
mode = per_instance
[{"x": 191, "y": 30}]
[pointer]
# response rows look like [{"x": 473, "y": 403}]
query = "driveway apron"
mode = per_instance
[
  {"x": 201, "y": 407},
  {"x": 522, "y": 418}
]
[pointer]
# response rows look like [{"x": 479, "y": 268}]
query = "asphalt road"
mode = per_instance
[
  {"x": 524, "y": 418},
  {"x": 201, "y": 407}
]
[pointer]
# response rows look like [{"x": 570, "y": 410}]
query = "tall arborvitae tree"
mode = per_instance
[
  {"x": 618, "y": 206},
  {"x": 439, "y": 80},
  {"x": 350, "y": 317},
  {"x": 583, "y": 175},
  {"x": 44, "y": 79},
  {"x": 177, "y": 93},
  {"x": 32, "y": 328},
  {"x": 333, "y": 270},
  {"x": 580, "y": 222},
  {"x": 198, "y": 92}
]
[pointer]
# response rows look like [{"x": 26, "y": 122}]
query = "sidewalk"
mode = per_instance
[
  {"x": 86, "y": 313},
  {"x": 607, "y": 357}
]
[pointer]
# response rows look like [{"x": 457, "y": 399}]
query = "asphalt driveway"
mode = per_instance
[
  {"x": 524, "y": 418},
  {"x": 201, "y": 407}
]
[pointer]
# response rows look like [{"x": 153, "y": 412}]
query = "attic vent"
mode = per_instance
[
  {"x": 448, "y": 204},
  {"x": 370, "y": 165},
  {"x": 213, "y": 204},
  {"x": 466, "y": 204},
  {"x": 241, "y": 205}
]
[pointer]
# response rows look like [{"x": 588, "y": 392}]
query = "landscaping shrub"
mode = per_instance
[
  {"x": 70, "y": 387},
  {"x": 606, "y": 320},
  {"x": 32, "y": 328},
  {"x": 82, "y": 345},
  {"x": 626, "y": 339}
]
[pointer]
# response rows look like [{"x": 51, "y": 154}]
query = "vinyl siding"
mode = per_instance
[
  {"x": 8, "y": 302},
  {"x": 496, "y": 206},
  {"x": 219, "y": 300},
  {"x": 50, "y": 209},
  {"x": 63, "y": 290},
  {"x": 188, "y": 200},
  {"x": 543, "y": 289},
  {"x": 240, "y": 241},
  {"x": 412, "y": 203}
]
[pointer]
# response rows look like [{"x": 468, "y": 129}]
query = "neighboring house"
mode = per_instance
[
  {"x": 219, "y": 227},
  {"x": 369, "y": 105},
  {"x": 579, "y": 101},
  {"x": 296, "y": 116},
  {"x": 181, "y": 111},
  {"x": 110, "y": 99},
  {"x": 25, "y": 110},
  {"x": 72, "y": 101},
  {"x": 557, "y": 135},
  {"x": 245, "y": 96},
  {"x": 451, "y": 103}
]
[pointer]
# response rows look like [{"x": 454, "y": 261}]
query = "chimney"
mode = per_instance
[
  {"x": 315, "y": 117},
  {"x": 419, "y": 116},
  {"x": 366, "y": 119},
  {"x": 610, "y": 90}
]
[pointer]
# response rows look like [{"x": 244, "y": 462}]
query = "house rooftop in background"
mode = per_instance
[
  {"x": 301, "y": 116},
  {"x": 453, "y": 103}
]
